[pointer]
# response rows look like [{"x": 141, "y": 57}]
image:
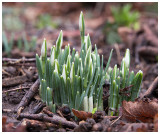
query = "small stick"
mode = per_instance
[
  {"x": 148, "y": 51},
  {"x": 111, "y": 117},
  {"x": 3, "y": 71},
  {"x": 6, "y": 110},
  {"x": 118, "y": 54},
  {"x": 38, "y": 108},
  {"x": 152, "y": 87},
  {"x": 10, "y": 90},
  {"x": 28, "y": 96},
  {"x": 14, "y": 81},
  {"x": 21, "y": 64},
  {"x": 49, "y": 113},
  {"x": 18, "y": 60},
  {"x": 54, "y": 120},
  {"x": 115, "y": 120},
  {"x": 37, "y": 125}
]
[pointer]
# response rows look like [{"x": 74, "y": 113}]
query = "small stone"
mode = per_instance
[
  {"x": 61, "y": 130},
  {"x": 91, "y": 121},
  {"x": 83, "y": 127},
  {"x": 97, "y": 127}
]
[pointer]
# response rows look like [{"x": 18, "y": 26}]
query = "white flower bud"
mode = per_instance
[
  {"x": 64, "y": 73},
  {"x": 127, "y": 58},
  {"x": 43, "y": 49},
  {"x": 52, "y": 58}
]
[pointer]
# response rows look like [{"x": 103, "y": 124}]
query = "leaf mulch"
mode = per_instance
[{"x": 22, "y": 108}]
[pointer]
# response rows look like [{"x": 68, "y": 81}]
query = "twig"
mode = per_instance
[
  {"x": 34, "y": 124},
  {"x": 28, "y": 96},
  {"x": 152, "y": 87},
  {"x": 98, "y": 8},
  {"x": 54, "y": 120},
  {"x": 148, "y": 51},
  {"x": 14, "y": 81},
  {"x": 49, "y": 113},
  {"x": 38, "y": 108},
  {"x": 6, "y": 110},
  {"x": 22, "y": 64},
  {"x": 118, "y": 54},
  {"x": 18, "y": 60},
  {"x": 111, "y": 117},
  {"x": 150, "y": 36},
  {"x": 10, "y": 90},
  {"x": 3, "y": 71},
  {"x": 137, "y": 55},
  {"x": 115, "y": 120}
]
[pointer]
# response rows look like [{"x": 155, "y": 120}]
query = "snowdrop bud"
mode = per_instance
[
  {"x": 52, "y": 58},
  {"x": 123, "y": 66},
  {"x": 127, "y": 58},
  {"x": 56, "y": 66},
  {"x": 90, "y": 109},
  {"x": 64, "y": 73},
  {"x": 85, "y": 103},
  {"x": 81, "y": 22},
  {"x": 44, "y": 48},
  {"x": 140, "y": 72},
  {"x": 72, "y": 72}
]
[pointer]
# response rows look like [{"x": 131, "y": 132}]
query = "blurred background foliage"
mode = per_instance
[
  {"x": 45, "y": 18},
  {"x": 122, "y": 16}
]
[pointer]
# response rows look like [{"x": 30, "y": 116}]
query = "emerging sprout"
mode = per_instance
[
  {"x": 75, "y": 79},
  {"x": 43, "y": 49},
  {"x": 82, "y": 26},
  {"x": 122, "y": 79}
]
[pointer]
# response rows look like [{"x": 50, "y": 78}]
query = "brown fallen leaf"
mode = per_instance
[
  {"x": 136, "y": 127},
  {"x": 9, "y": 127},
  {"x": 4, "y": 119},
  {"x": 82, "y": 114},
  {"x": 143, "y": 110},
  {"x": 156, "y": 123},
  {"x": 95, "y": 22},
  {"x": 127, "y": 35}
]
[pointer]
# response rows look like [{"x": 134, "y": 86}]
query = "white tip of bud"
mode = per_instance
[
  {"x": 80, "y": 21},
  {"x": 85, "y": 103},
  {"x": 72, "y": 72},
  {"x": 64, "y": 73},
  {"x": 43, "y": 49},
  {"x": 52, "y": 58},
  {"x": 90, "y": 109},
  {"x": 56, "y": 66},
  {"x": 127, "y": 58},
  {"x": 140, "y": 71}
]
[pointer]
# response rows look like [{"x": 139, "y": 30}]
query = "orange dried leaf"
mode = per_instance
[
  {"x": 156, "y": 123},
  {"x": 82, "y": 114},
  {"x": 140, "y": 110}
]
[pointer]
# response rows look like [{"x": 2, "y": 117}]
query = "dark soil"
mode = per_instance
[{"x": 13, "y": 89}]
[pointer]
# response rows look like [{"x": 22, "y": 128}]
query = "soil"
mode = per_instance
[{"x": 14, "y": 89}]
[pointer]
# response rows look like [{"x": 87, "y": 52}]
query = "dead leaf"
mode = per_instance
[
  {"x": 31, "y": 13},
  {"x": 95, "y": 22},
  {"x": 142, "y": 129},
  {"x": 10, "y": 126},
  {"x": 4, "y": 119},
  {"x": 127, "y": 35},
  {"x": 156, "y": 123},
  {"x": 82, "y": 114},
  {"x": 143, "y": 110},
  {"x": 136, "y": 127}
]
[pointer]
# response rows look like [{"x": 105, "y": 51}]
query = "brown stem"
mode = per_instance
[
  {"x": 18, "y": 60},
  {"x": 28, "y": 96},
  {"x": 14, "y": 81},
  {"x": 152, "y": 87},
  {"x": 54, "y": 120}
]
